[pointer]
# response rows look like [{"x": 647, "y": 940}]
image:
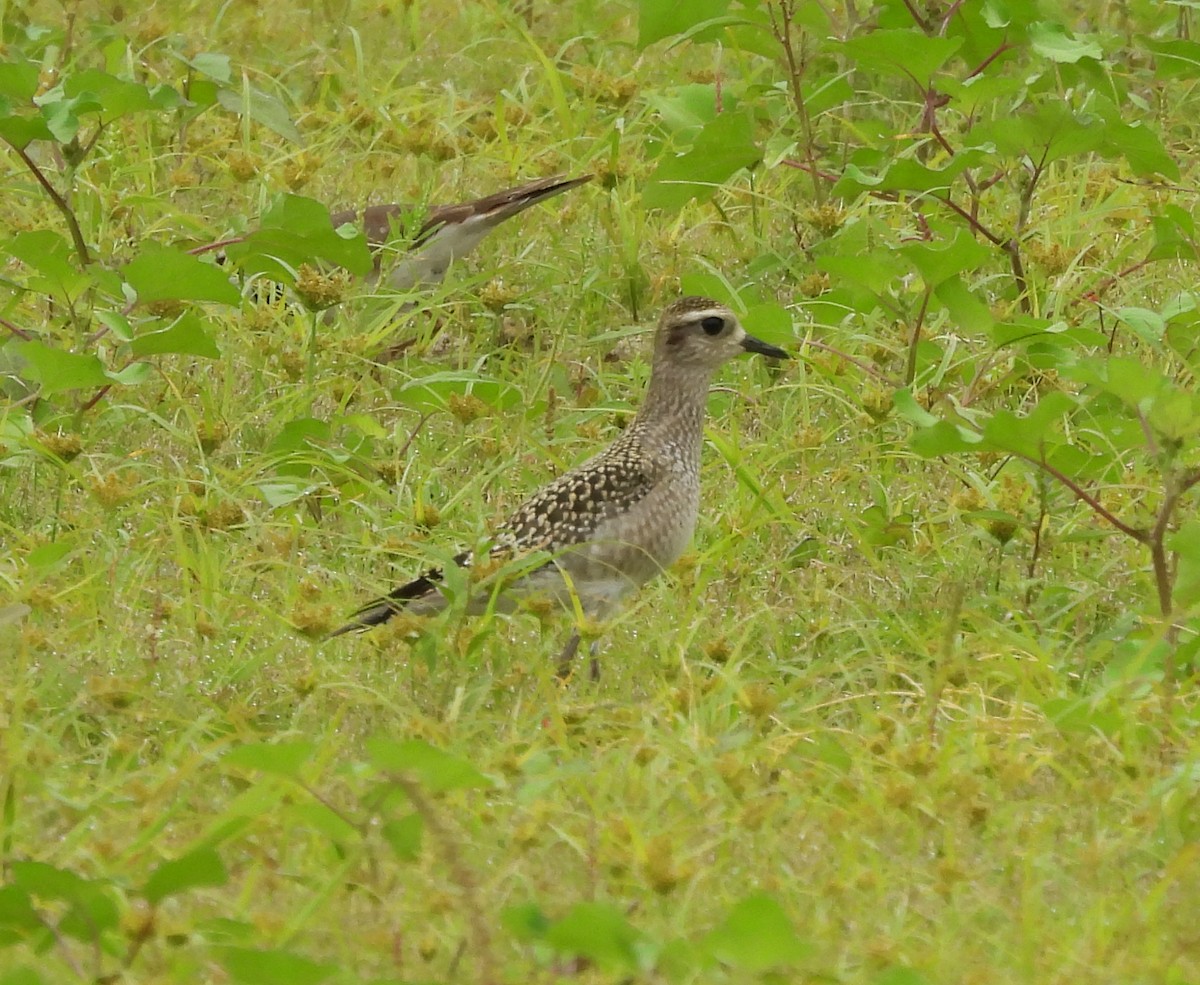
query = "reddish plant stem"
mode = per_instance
[
  {"x": 865, "y": 367},
  {"x": 60, "y": 203},
  {"x": 781, "y": 28},
  {"x": 1138, "y": 534},
  {"x": 96, "y": 398},
  {"x": 18, "y": 332},
  {"x": 218, "y": 245},
  {"x": 910, "y": 368}
]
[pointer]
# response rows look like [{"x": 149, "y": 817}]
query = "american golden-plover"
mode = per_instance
[
  {"x": 623, "y": 516},
  {"x": 447, "y": 232},
  {"x": 423, "y": 253}
]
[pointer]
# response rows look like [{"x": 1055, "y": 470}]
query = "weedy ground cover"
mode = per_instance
[{"x": 918, "y": 706}]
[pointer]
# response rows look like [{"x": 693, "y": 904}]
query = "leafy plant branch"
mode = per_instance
[
  {"x": 60, "y": 203},
  {"x": 782, "y": 13}
]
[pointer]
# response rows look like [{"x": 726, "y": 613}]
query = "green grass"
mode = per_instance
[{"x": 849, "y": 695}]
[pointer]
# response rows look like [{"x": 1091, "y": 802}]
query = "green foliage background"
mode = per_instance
[{"x": 918, "y": 707}]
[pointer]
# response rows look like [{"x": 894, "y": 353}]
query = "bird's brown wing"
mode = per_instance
[
  {"x": 568, "y": 510},
  {"x": 563, "y": 514},
  {"x": 383, "y": 224}
]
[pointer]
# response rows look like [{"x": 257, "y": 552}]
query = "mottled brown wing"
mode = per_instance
[
  {"x": 568, "y": 510},
  {"x": 563, "y": 514}
]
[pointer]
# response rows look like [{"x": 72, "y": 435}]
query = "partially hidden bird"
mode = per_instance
[{"x": 446, "y": 233}]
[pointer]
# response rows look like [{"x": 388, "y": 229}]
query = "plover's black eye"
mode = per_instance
[{"x": 713, "y": 325}]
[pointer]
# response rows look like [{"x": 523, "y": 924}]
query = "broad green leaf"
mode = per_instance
[
  {"x": 18, "y": 81},
  {"x": 17, "y": 912},
  {"x": 880, "y": 529},
  {"x": 273, "y": 967},
  {"x": 1174, "y": 234},
  {"x": 685, "y": 108},
  {"x": 714, "y": 30},
  {"x": 1138, "y": 143},
  {"x": 977, "y": 91},
  {"x": 298, "y": 230},
  {"x": 131, "y": 375},
  {"x": 751, "y": 36},
  {"x": 878, "y": 271},
  {"x": 281, "y": 492},
  {"x": 1052, "y": 41},
  {"x": 280, "y": 758},
  {"x": 1184, "y": 305},
  {"x": 1028, "y": 435},
  {"x": 202, "y": 93},
  {"x": 824, "y": 93},
  {"x": 433, "y": 391},
  {"x": 682, "y": 960},
  {"x": 1147, "y": 325},
  {"x": 1122, "y": 431},
  {"x": 20, "y": 131},
  {"x": 184, "y": 336},
  {"x": 912, "y": 54},
  {"x": 329, "y": 823},
  {"x": 757, "y": 936},
  {"x": 708, "y": 284},
  {"x": 46, "y": 252},
  {"x": 1083, "y": 715},
  {"x": 1132, "y": 382},
  {"x": 301, "y": 434},
  {"x": 1084, "y": 465},
  {"x": 90, "y": 909},
  {"x": 404, "y": 835},
  {"x": 91, "y": 915},
  {"x": 903, "y": 174},
  {"x": 202, "y": 867},
  {"x": 1025, "y": 329},
  {"x": 658, "y": 19},
  {"x": 1051, "y": 133},
  {"x": 908, "y": 408},
  {"x": 1142, "y": 150},
  {"x": 364, "y": 424},
  {"x": 226, "y": 931},
  {"x": 967, "y": 310},
  {"x": 724, "y": 147},
  {"x": 114, "y": 97},
  {"x": 57, "y": 369},
  {"x": 999, "y": 14},
  {"x": 770, "y": 322},
  {"x": 163, "y": 273},
  {"x": 598, "y": 932},
  {"x": 526, "y": 922},
  {"x": 215, "y": 66},
  {"x": 1175, "y": 414},
  {"x": 62, "y": 113},
  {"x": 47, "y": 881},
  {"x": 1174, "y": 57},
  {"x": 116, "y": 323},
  {"x": 48, "y": 555},
  {"x": 262, "y": 108},
  {"x": 945, "y": 438},
  {"x": 1185, "y": 542},
  {"x": 435, "y": 769},
  {"x": 939, "y": 261}
]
